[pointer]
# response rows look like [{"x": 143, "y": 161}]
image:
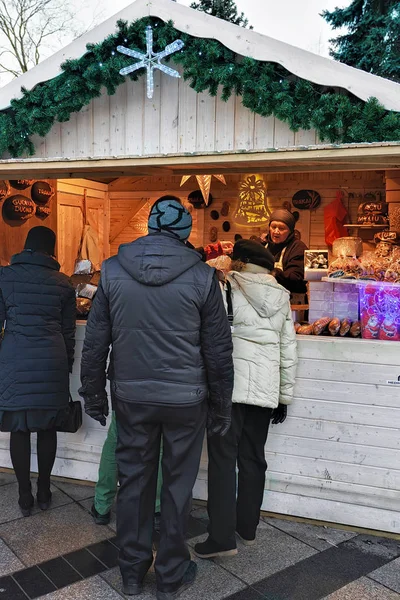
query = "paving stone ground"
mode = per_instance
[{"x": 60, "y": 554}]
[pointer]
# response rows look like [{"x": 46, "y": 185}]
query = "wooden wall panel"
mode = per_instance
[
  {"x": 176, "y": 119},
  {"x": 118, "y": 103},
  {"x": 70, "y": 218}
]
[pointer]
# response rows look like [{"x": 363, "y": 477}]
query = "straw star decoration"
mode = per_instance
[
  {"x": 204, "y": 182},
  {"x": 151, "y": 60}
]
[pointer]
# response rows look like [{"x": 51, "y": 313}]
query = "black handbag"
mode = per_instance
[{"x": 73, "y": 419}]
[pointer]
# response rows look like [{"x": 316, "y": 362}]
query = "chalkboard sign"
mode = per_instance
[
  {"x": 21, "y": 184},
  {"x": 41, "y": 192},
  {"x": 306, "y": 200},
  {"x": 4, "y": 190},
  {"x": 18, "y": 208}
]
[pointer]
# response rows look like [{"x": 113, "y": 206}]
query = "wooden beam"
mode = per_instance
[
  {"x": 119, "y": 227},
  {"x": 352, "y": 156}
]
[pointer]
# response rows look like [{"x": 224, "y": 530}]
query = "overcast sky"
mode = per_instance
[{"x": 297, "y": 22}]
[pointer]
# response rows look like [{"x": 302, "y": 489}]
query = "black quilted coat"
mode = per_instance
[
  {"x": 36, "y": 355},
  {"x": 161, "y": 309}
]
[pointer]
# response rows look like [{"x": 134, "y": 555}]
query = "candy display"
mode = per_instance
[
  {"x": 346, "y": 267},
  {"x": 380, "y": 311}
]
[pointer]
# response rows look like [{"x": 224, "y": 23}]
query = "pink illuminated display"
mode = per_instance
[{"x": 380, "y": 311}]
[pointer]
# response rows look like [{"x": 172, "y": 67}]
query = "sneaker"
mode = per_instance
[
  {"x": 98, "y": 518},
  {"x": 210, "y": 549},
  {"x": 187, "y": 581},
  {"x": 246, "y": 542}
]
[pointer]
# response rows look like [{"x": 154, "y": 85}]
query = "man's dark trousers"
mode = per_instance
[{"x": 140, "y": 427}]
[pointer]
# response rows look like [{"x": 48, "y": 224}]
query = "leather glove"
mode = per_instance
[
  {"x": 279, "y": 414},
  {"x": 96, "y": 406},
  {"x": 218, "y": 424}
]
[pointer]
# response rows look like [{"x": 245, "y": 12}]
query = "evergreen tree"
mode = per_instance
[
  {"x": 223, "y": 9},
  {"x": 372, "y": 41}
]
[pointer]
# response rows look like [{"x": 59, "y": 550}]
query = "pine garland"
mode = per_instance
[{"x": 266, "y": 89}]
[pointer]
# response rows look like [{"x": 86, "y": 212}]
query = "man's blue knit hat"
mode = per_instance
[{"x": 168, "y": 214}]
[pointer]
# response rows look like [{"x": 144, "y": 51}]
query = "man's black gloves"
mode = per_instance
[
  {"x": 279, "y": 414},
  {"x": 96, "y": 406},
  {"x": 218, "y": 424}
]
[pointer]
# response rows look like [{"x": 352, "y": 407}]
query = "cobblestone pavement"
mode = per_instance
[{"x": 61, "y": 554}]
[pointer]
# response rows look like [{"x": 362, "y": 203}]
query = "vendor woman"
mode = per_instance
[{"x": 288, "y": 252}]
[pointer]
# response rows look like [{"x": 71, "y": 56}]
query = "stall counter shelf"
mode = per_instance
[{"x": 337, "y": 456}]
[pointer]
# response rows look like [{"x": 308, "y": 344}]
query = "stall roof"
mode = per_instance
[
  {"x": 330, "y": 157},
  {"x": 306, "y": 65}
]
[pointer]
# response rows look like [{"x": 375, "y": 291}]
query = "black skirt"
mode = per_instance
[{"x": 31, "y": 420}]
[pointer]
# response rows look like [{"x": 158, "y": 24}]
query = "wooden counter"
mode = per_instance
[{"x": 337, "y": 456}]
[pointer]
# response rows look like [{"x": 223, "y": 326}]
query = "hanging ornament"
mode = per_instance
[
  {"x": 151, "y": 60},
  {"x": 21, "y": 184},
  {"x": 252, "y": 208},
  {"x": 204, "y": 182},
  {"x": 18, "y": 208},
  {"x": 41, "y": 192}
]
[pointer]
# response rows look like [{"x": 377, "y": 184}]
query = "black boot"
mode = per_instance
[
  {"x": 43, "y": 496},
  {"x": 187, "y": 580},
  {"x": 210, "y": 549},
  {"x": 26, "y": 502}
]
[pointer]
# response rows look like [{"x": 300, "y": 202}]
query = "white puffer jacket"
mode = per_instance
[{"x": 264, "y": 340}]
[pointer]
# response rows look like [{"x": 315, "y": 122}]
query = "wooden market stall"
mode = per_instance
[{"x": 337, "y": 456}]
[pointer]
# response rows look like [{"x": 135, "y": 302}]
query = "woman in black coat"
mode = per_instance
[
  {"x": 287, "y": 251},
  {"x": 37, "y": 310}
]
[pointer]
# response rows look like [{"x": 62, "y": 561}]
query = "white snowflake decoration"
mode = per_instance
[{"x": 151, "y": 60}]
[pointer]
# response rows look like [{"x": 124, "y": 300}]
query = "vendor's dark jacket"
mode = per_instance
[
  {"x": 161, "y": 309},
  {"x": 37, "y": 351},
  {"x": 292, "y": 277}
]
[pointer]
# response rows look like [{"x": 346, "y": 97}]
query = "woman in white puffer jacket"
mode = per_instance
[{"x": 265, "y": 359}]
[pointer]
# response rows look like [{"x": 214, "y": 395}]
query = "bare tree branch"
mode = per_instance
[{"x": 30, "y": 29}]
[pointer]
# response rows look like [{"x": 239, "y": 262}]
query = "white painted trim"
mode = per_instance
[{"x": 302, "y": 63}]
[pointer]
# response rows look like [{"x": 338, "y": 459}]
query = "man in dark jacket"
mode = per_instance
[
  {"x": 160, "y": 308},
  {"x": 287, "y": 251}
]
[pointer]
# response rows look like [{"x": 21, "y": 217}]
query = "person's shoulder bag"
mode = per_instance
[{"x": 73, "y": 419}]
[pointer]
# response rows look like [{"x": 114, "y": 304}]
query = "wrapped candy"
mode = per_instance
[
  {"x": 350, "y": 266},
  {"x": 347, "y": 246},
  {"x": 83, "y": 267},
  {"x": 83, "y": 306},
  {"x": 383, "y": 249},
  {"x": 86, "y": 290}
]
